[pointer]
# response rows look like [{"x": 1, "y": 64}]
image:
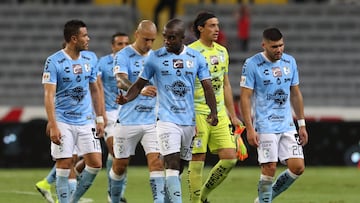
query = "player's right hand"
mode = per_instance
[
  {"x": 121, "y": 99},
  {"x": 55, "y": 135}
]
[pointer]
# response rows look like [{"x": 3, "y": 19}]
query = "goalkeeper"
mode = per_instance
[{"x": 218, "y": 138}]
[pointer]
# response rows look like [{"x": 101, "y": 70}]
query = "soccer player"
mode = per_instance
[
  {"x": 136, "y": 119},
  {"x": 271, "y": 79},
  {"x": 105, "y": 66},
  {"x": 218, "y": 138},
  {"x": 174, "y": 68},
  {"x": 71, "y": 97},
  {"x": 44, "y": 185}
]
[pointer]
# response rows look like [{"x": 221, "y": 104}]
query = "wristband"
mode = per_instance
[
  {"x": 99, "y": 119},
  {"x": 301, "y": 122}
]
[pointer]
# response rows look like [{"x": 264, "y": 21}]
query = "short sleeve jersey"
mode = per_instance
[
  {"x": 271, "y": 82},
  {"x": 105, "y": 67},
  {"x": 174, "y": 76},
  {"x": 141, "y": 110},
  {"x": 218, "y": 61},
  {"x": 73, "y": 104}
]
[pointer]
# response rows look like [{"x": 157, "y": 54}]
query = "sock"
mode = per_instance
[
  {"x": 157, "y": 184},
  {"x": 265, "y": 189},
  {"x": 217, "y": 174},
  {"x": 51, "y": 177},
  {"x": 109, "y": 162},
  {"x": 116, "y": 182},
  {"x": 122, "y": 195},
  {"x": 72, "y": 186},
  {"x": 86, "y": 179},
  {"x": 173, "y": 186},
  {"x": 62, "y": 185},
  {"x": 195, "y": 171},
  {"x": 283, "y": 182}
]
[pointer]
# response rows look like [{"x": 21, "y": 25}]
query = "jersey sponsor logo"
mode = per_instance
[
  {"x": 47, "y": 63},
  {"x": 72, "y": 114},
  {"x": 276, "y": 72},
  {"x": 46, "y": 77},
  {"x": 76, "y": 94},
  {"x": 177, "y": 109},
  {"x": 216, "y": 83},
  {"x": 266, "y": 72},
  {"x": 276, "y": 118},
  {"x": 267, "y": 82},
  {"x": 279, "y": 97},
  {"x": 135, "y": 73},
  {"x": 178, "y": 88},
  {"x": 77, "y": 69},
  {"x": 214, "y": 60},
  {"x": 143, "y": 108},
  {"x": 67, "y": 79},
  {"x": 165, "y": 72},
  {"x": 178, "y": 63}
]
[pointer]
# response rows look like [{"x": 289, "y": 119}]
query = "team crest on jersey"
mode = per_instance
[
  {"x": 87, "y": 67},
  {"x": 190, "y": 64},
  {"x": 116, "y": 69},
  {"x": 77, "y": 69},
  {"x": 286, "y": 70},
  {"x": 46, "y": 77},
  {"x": 214, "y": 60},
  {"x": 178, "y": 63},
  {"x": 276, "y": 72}
]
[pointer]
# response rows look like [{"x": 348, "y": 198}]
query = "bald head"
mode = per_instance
[
  {"x": 145, "y": 35},
  {"x": 146, "y": 26}
]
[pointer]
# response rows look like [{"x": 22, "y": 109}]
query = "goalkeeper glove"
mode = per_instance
[{"x": 241, "y": 150}]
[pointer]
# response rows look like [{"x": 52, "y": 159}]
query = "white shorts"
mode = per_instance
[
  {"x": 279, "y": 146},
  {"x": 75, "y": 138},
  {"x": 112, "y": 117},
  {"x": 175, "y": 138},
  {"x": 127, "y": 137}
]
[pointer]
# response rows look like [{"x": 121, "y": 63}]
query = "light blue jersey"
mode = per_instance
[
  {"x": 105, "y": 67},
  {"x": 73, "y": 103},
  {"x": 271, "y": 84},
  {"x": 140, "y": 111},
  {"x": 174, "y": 76}
]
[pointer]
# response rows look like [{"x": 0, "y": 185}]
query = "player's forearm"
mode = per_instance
[
  {"x": 209, "y": 95},
  {"x": 122, "y": 81},
  {"x": 297, "y": 103},
  {"x": 245, "y": 106},
  {"x": 96, "y": 99},
  {"x": 135, "y": 89},
  {"x": 50, "y": 105}
]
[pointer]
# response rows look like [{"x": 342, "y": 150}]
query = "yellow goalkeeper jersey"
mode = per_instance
[{"x": 217, "y": 58}]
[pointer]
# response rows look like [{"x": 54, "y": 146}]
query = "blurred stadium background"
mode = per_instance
[{"x": 323, "y": 35}]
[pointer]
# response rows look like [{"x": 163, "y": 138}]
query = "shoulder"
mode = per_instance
[
  {"x": 89, "y": 55},
  {"x": 287, "y": 58},
  {"x": 56, "y": 58}
]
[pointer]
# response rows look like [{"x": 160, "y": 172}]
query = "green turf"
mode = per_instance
[{"x": 317, "y": 185}]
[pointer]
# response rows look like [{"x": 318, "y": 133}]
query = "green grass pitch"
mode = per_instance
[{"x": 317, "y": 185}]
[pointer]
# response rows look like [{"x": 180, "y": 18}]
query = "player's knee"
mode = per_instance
[
  {"x": 297, "y": 170},
  {"x": 120, "y": 166}
]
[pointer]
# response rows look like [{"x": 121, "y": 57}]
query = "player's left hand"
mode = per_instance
[
  {"x": 149, "y": 91},
  {"x": 212, "y": 119},
  {"x": 303, "y": 135}
]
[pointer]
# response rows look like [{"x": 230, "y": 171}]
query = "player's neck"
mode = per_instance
[
  {"x": 208, "y": 43},
  {"x": 72, "y": 52}
]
